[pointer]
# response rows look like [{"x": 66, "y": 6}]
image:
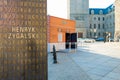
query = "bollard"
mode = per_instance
[{"x": 54, "y": 55}]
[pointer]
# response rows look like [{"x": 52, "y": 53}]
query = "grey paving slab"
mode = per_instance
[
  {"x": 115, "y": 60},
  {"x": 110, "y": 64},
  {"x": 99, "y": 72},
  {"x": 114, "y": 76},
  {"x": 104, "y": 67},
  {"x": 66, "y": 69},
  {"x": 106, "y": 78},
  {"x": 97, "y": 61},
  {"x": 95, "y": 77},
  {"x": 117, "y": 69},
  {"x": 86, "y": 68}
]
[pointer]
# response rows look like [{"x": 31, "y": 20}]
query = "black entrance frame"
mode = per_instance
[{"x": 71, "y": 40}]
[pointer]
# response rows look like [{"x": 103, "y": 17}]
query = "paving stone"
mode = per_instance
[
  {"x": 106, "y": 78},
  {"x": 95, "y": 77},
  {"x": 94, "y": 61},
  {"x": 66, "y": 69},
  {"x": 114, "y": 76},
  {"x": 98, "y": 72}
]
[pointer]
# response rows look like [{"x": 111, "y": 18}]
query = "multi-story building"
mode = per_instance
[
  {"x": 105, "y": 22},
  {"x": 101, "y": 21},
  {"x": 95, "y": 22},
  {"x": 78, "y": 10}
]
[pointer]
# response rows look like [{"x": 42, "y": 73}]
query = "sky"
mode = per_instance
[{"x": 58, "y": 8}]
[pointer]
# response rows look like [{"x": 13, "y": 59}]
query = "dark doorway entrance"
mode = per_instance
[
  {"x": 71, "y": 39},
  {"x": 68, "y": 40}
]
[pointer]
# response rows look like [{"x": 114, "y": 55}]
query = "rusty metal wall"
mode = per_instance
[{"x": 23, "y": 41}]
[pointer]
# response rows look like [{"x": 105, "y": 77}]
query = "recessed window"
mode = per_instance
[
  {"x": 90, "y": 26},
  {"x": 98, "y": 26},
  {"x": 76, "y": 18},
  {"x": 94, "y": 26},
  {"x": 92, "y": 11},
  {"x": 98, "y": 18},
  {"x": 113, "y": 7},
  {"x": 100, "y": 12},
  {"x": 94, "y": 18},
  {"x": 99, "y": 34},
  {"x": 103, "y": 26},
  {"x": 103, "y": 18},
  {"x": 94, "y": 34},
  {"x": 104, "y": 34},
  {"x": 81, "y": 18},
  {"x": 90, "y": 34}
]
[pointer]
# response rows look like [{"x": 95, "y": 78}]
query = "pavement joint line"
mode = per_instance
[
  {"x": 83, "y": 72},
  {"x": 107, "y": 62},
  {"x": 79, "y": 66}
]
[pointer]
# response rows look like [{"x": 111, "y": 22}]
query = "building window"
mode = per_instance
[
  {"x": 94, "y": 26},
  {"x": 103, "y": 18},
  {"x": 100, "y": 12},
  {"x": 99, "y": 34},
  {"x": 110, "y": 24},
  {"x": 59, "y": 37},
  {"x": 113, "y": 7},
  {"x": 94, "y": 18},
  {"x": 113, "y": 23},
  {"x": 81, "y": 18},
  {"x": 94, "y": 34},
  {"x": 90, "y": 34},
  {"x": 98, "y": 26},
  {"x": 90, "y": 26},
  {"x": 76, "y": 18},
  {"x": 103, "y": 26},
  {"x": 98, "y": 18},
  {"x": 103, "y": 34},
  {"x": 92, "y": 11}
]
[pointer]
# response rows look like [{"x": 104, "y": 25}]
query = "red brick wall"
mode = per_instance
[{"x": 56, "y": 25}]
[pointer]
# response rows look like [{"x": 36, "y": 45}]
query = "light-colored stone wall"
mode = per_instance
[
  {"x": 79, "y": 6},
  {"x": 106, "y": 25},
  {"x": 99, "y": 30},
  {"x": 117, "y": 19},
  {"x": 79, "y": 11},
  {"x": 110, "y": 23}
]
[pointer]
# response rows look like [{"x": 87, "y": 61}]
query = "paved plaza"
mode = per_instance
[{"x": 91, "y": 61}]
